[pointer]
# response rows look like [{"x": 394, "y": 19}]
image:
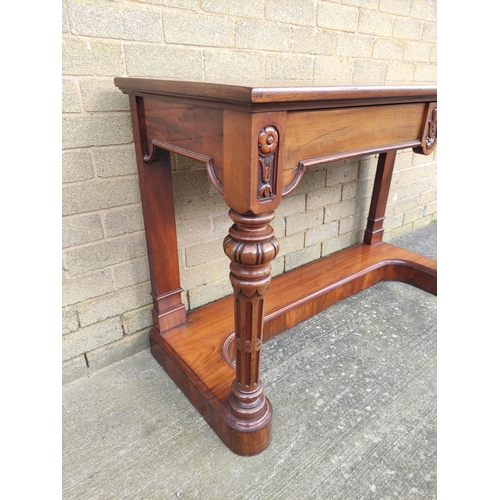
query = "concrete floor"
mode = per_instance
[{"x": 357, "y": 422}]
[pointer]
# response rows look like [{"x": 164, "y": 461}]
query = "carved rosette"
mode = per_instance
[
  {"x": 431, "y": 137},
  {"x": 251, "y": 246},
  {"x": 268, "y": 144}
]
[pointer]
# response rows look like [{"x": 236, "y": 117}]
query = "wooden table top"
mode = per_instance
[{"x": 271, "y": 92}]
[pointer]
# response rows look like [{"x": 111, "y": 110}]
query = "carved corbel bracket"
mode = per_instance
[
  {"x": 429, "y": 136},
  {"x": 158, "y": 149}
]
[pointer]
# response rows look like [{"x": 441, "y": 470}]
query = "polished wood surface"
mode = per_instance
[{"x": 256, "y": 142}]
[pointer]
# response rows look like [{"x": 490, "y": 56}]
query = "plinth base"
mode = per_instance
[{"x": 199, "y": 355}]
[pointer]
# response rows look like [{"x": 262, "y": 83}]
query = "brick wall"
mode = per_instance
[{"x": 106, "y": 301}]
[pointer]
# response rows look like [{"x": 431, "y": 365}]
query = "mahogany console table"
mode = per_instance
[{"x": 256, "y": 143}]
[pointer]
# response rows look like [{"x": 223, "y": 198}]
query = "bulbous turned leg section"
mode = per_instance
[{"x": 251, "y": 246}]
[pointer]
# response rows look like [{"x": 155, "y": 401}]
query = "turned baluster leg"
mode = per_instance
[
  {"x": 251, "y": 246},
  {"x": 374, "y": 228}
]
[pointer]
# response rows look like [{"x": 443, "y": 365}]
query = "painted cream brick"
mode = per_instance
[
  {"x": 234, "y": 66},
  {"x": 368, "y": 168},
  {"x": 163, "y": 61},
  {"x": 291, "y": 11},
  {"x": 338, "y": 243},
  {"x": 79, "y": 131},
  {"x": 204, "y": 252},
  {"x": 430, "y": 208},
  {"x": 425, "y": 73},
  {"x": 91, "y": 57},
  {"x": 209, "y": 293},
  {"x": 298, "y": 259},
  {"x": 222, "y": 268},
  {"x": 363, "y": 188},
  {"x": 180, "y": 162},
  {"x": 403, "y": 206},
  {"x": 113, "y": 304},
  {"x": 424, "y": 9},
  {"x": 392, "y": 223},
  {"x": 413, "y": 215},
  {"x": 337, "y": 17},
  {"x": 292, "y": 243},
  {"x": 419, "y": 159},
  {"x": 86, "y": 286},
  {"x": 295, "y": 203},
  {"x": 417, "y": 51},
  {"x": 354, "y": 45},
  {"x": 101, "y": 95},
  {"x": 321, "y": 233},
  {"x": 193, "y": 231},
  {"x": 279, "y": 227},
  {"x": 349, "y": 190},
  {"x": 258, "y": 35},
  {"x": 334, "y": 70},
  {"x": 76, "y": 166},
  {"x": 424, "y": 221},
  {"x": 100, "y": 193},
  {"x": 124, "y": 21},
  {"x": 400, "y": 7},
  {"x": 70, "y": 96},
  {"x": 194, "y": 208},
  {"x": 407, "y": 28},
  {"x": 385, "y": 48},
  {"x": 107, "y": 253},
  {"x": 131, "y": 272},
  {"x": 73, "y": 369},
  {"x": 189, "y": 28},
  {"x": 192, "y": 277},
  {"x": 405, "y": 176},
  {"x": 429, "y": 33},
  {"x": 429, "y": 169},
  {"x": 339, "y": 210},
  {"x": 112, "y": 161},
  {"x": 400, "y": 72},
  {"x": 313, "y": 40},
  {"x": 78, "y": 230},
  {"x": 289, "y": 66},
  {"x": 65, "y": 22},
  {"x": 240, "y": 8},
  {"x": 69, "y": 320},
  {"x": 182, "y": 4},
  {"x": 221, "y": 225},
  {"x": 300, "y": 222},
  {"x": 278, "y": 266},
  {"x": 433, "y": 55},
  {"x": 116, "y": 351},
  {"x": 375, "y": 23},
  {"x": 369, "y": 72},
  {"x": 314, "y": 178},
  {"x": 190, "y": 184},
  {"x": 364, "y": 4},
  {"x": 123, "y": 220},
  {"x": 341, "y": 172},
  {"x": 404, "y": 159},
  {"x": 363, "y": 205},
  {"x": 91, "y": 337},
  {"x": 324, "y": 196}
]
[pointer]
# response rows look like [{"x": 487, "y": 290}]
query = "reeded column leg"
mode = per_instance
[{"x": 251, "y": 246}]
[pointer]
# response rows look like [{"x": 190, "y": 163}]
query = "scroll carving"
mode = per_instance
[
  {"x": 268, "y": 144},
  {"x": 432, "y": 130},
  {"x": 428, "y": 139}
]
